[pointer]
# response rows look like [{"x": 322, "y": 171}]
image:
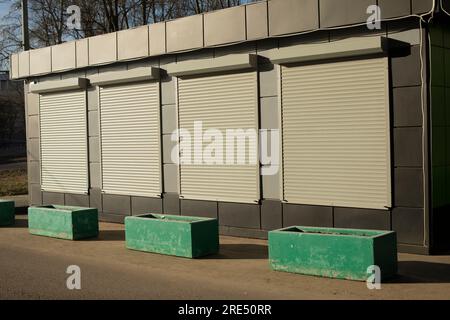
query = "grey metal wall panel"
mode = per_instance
[
  {"x": 133, "y": 43},
  {"x": 14, "y": 66},
  {"x": 226, "y": 101},
  {"x": 225, "y": 26},
  {"x": 170, "y": 178},
  {"x": 78, "y": 200},
  {"x": 336, "y": 145},
  {"x": 257, "y": 24},
  {"x": 40, "y": 61},
  {"x": 249, "y": 22},
  {"x": 422, "y": 6},
  {"x": 82, "y": 52},
  {"x": 130, "y": 139},
  {"x": 292, "y": 16},
  {"x": 33, "y": 104},
  {"x": 35, "y": 195},
  {"x": 343, "y": 12},
  {"x": 24, "y": 64},
  {"x": 102, "y": 49},
  {"x": 157, "y": 38},
  {"x": 34, "y": 150},
  {"x": 33, "y": 126},
  {"x": 63, "y": 137},
  {"x": 184, "y": 33},
  {"x": 51, "y": 198},
  {"x": 397, "y": 8},
  {"x": 95, "y": 175},
  {"x": 63, "y": 56},
  {"x": 34, "y": 172}
]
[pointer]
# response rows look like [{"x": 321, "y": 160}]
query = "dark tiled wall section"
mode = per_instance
[
  {"x": 440, "y": 130},
  {"x": 440, "y": 114},
  {"x": 407, "y": 216}
]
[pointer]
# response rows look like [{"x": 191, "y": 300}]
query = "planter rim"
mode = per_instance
[
  {"x": 334, "y": 232},
  {"x": 170, "y": 218},
  {"x": 55, "y": 207}
]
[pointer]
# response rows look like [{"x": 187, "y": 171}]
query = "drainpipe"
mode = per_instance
[{"x": 25, "y": 35}]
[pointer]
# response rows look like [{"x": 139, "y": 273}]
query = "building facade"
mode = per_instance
[{"x": 357, "y": 115}]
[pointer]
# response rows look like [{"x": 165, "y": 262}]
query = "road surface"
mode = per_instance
[{"x": 33, "y": 267}]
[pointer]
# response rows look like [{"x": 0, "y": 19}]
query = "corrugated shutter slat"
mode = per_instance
[
  {"x": 336, "y": 146},
  {"x": 130, "y": 139},
  {"x": 64, "y": 163}
]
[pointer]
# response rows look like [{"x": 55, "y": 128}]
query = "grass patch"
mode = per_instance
[{"x": 13, "y": 182}]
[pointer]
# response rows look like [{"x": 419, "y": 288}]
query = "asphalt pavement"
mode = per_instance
[{"x": 34, "y": 267}]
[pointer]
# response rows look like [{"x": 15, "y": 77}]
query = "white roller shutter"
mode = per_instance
[
  {"x": 221, "y": 102},
  {"x": 336, "y": 145},
  {"x": 64, "y": 161},
  {"x": 130, "y": 139}
]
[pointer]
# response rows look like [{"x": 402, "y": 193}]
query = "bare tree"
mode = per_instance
[
  {"x": 48, "y": 18},
  {"x": 47, "y": 21},
  {"x": 10, "y": 34}
]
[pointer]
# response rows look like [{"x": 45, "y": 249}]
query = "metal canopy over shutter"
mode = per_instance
[
  {"x": 336, "y": 145},
  {"x": 64, "y": 160},
  {"x": 220, "y": 102},
  {"x": 130, "y": 139}
]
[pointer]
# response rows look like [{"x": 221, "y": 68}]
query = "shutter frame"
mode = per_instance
[
  {"x": 232, "y": 62},
  {"x": 185, "y": 187},
  {"x": 351, "y": 47},
  {"x": 383, "y": 201},
  {"x": 138, "y": 177},
  {"x": 59, "y": 85},
  {"x": 125, "y": 77},
  {"x": 55, "y": 156}
]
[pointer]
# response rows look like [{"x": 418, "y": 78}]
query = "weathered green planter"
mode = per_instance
[
  {"x": 7, "y": 213},
  {"x": 334, "y": 253},
  {"x": 182, "y": 236},
  {"x": 63, "y": 222}
]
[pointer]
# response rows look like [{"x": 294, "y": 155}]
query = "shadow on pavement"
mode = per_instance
[
  {"x": 19, "y": 223},
  {"x": 240, "y": 251},
  {"x": 110, "y": 235},
  {"x": 20, "y": 211},
  {"x": 422, "y": 272}
]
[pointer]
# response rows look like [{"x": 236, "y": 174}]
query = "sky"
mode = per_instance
[{"x": 4, "y": 7}]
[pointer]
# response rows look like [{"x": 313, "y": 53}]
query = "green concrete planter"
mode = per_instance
[
  {"x": 7, "y": 213},
  {"x": 334, "y": 253},
  {"x": 63, "y": 222},
  {"x": 189, "y": 237}
]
